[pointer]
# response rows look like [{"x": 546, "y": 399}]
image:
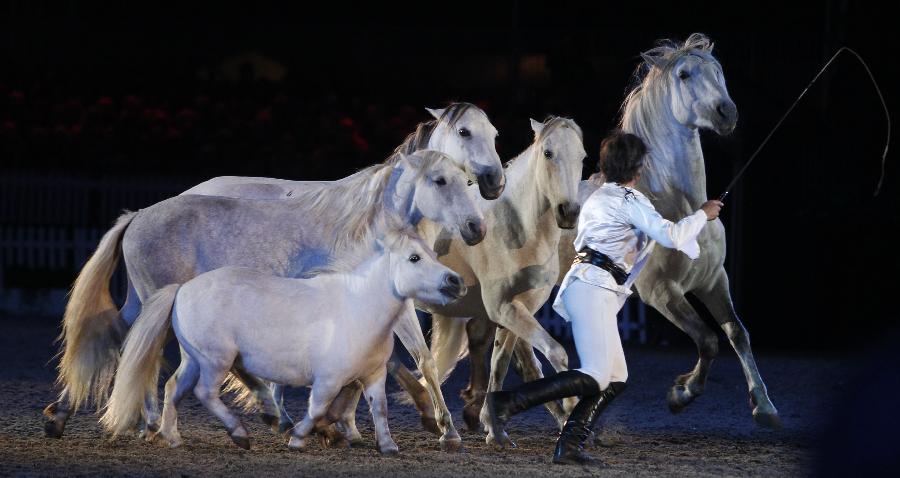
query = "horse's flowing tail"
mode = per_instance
[
  {"x": 449, "y": 344},
  {"x": 91, "y": 329},
  {"x": 139, "y": 366}
]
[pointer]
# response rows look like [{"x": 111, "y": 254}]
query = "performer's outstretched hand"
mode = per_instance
[{"x": 712, "y": 208}]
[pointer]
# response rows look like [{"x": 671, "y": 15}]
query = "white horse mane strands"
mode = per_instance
[
  {"x": 353, "y": 222},
  {"x": 645, "y": 110}
]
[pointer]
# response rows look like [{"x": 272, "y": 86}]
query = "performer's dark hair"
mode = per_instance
[{"x": 621, "y": 156}]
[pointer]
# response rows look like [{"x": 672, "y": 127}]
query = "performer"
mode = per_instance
[{"x": 617, "y": 229}]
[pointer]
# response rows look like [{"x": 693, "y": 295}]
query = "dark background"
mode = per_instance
[{"x": 165, "y": 94}]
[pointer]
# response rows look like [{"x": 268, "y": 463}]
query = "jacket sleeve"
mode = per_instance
[{"x": 681, "y": 235}]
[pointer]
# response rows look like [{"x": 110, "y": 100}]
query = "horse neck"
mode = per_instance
[
  {"x": 522, "y": 191},
  {"x": 372, "y": 289},
  {"x": 675, "y": 175}
]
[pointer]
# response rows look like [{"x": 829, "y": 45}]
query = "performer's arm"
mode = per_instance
[{"x": 679, "y": 235}]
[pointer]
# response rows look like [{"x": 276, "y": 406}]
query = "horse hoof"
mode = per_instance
[
  {"x": 430, "y": 425},
  {"x": 243, "y": 442},
  {"x": 53, "y": 429},
  {"x": 678, "y": 399},
  {"x": 296, "y": 444},
  {"x": 500, "y": 442},
  {"x": 284, "y": 427},
  {"x": 767, "y": 419},
  {"x": 390, "y": 451},
  {"x": 451, "y": 445}
]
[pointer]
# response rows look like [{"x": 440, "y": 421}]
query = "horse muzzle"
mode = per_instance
[
  {"x": 491, "y": 183},
  {"x": 567, "y": 215},
  {"x": 726, "y": 116},
  {"x": 453, "y": 287},
  {"x": 473, "y": 231}
]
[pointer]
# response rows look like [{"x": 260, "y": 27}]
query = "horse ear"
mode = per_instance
[
  {"x": 536, "y": 126},
  {"x": 437, "y": 113}
]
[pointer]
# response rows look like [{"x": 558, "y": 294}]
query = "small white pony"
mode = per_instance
[{"x": 325, "y": 331}]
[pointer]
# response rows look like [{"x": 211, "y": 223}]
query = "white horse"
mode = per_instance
[
  {"x": 182, "y": 237},
  {"x": 512, "y": 272},
  {"x": 683, "y": 90},
  {"x": 323, "y": 332}
]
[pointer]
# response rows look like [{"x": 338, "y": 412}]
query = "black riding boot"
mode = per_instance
[
  {"x": 570, "y": 446},
  {"x": 503, "y": 405}
]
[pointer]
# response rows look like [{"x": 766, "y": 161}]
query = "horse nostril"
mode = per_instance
[
  {"x": 721, "y": 110},
  {"x": 453, "y": 281},
  {"x": 561, "y": 210}
]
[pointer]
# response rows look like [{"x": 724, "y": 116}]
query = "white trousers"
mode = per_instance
[{"x": 592, "y": 311}]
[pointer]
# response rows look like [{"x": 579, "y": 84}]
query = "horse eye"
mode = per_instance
[
  {"x": 470, "y": 182},
  {"x": 414, "y": 258},
  {"x": 464, "y": 132},
  {"x": 684, "y": 75},
  {"x": 548, "y": 154},
  {"x": 440, "y": 181}
]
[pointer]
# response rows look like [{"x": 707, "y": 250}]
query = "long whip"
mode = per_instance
[{"x": 777, "y": 125}]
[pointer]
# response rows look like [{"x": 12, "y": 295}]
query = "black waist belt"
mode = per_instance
[{"x": 601, "y": 260}]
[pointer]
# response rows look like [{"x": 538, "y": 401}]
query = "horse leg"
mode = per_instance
[
  {"x": 417, "y": 392},
  {"x": 481, "y": 334},
  {"x": 410, "y": 334},
  {"x": 504, "y": 344},
  {"x": 58, "y": 412},
  {"x": 320, "y": 399},
  {"x": 520, "y": 321},
  {"x": 528, "y": 367},
  {"x": 184, "y": 379},
  {"x": 207, "y": 391},
  {"x": 270, "y": 412},
  {"x": 668, "y": 298},
  {"x": 378, "y": 406},
  {"x": 343, "y": 411},
  {"x": 718, "y": 300},
  {"x": 285, "y": 424}
]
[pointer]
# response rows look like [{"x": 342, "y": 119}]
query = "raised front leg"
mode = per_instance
[
  {"x": 410, "y": 334},
  {"x": 718, "y": 300},
  {"x": 378, "y": 406},
  {"x": 668, "y": 299}
]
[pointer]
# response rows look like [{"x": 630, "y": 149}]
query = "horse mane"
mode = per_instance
[
  {"x": 551, "y": 124},
  {"x": 354, "y": 208},
  {"x": 644, "y": 109},
  {"x": 419, "y": 138}
]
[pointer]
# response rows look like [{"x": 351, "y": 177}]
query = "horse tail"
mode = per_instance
[
  {"x": 138, "y": 371},
  {"x": 91, "y": 329},
  {"x": 449, "y": 343},
  {"x": 242, "y": 396}
]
